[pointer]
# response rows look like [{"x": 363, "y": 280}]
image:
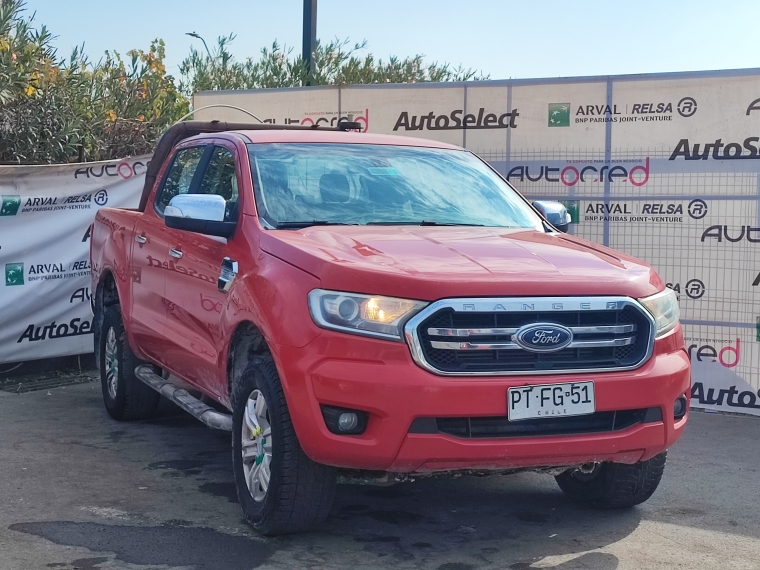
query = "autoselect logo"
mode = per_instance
[
  {"x": 754, "y": 106},
  {"x": 723, "y": 233},
  {"x": 10, "y": 205},
  {"x": 75, "y": 327},
  {"x": 559, "y": 114},
  {"x": 456, "y": 120},
  {"x": 717, "y": 150},
  {"x": 14, "y": 274}
]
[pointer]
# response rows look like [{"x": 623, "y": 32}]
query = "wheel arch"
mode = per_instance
[
  {"x": 106, "y": 294},
  {"x": 246, "y": 343}
]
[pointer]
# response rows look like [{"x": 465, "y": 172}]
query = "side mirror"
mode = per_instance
[
  {"x": 199, "y": 213},
  {"x": 554, "y": 213}
]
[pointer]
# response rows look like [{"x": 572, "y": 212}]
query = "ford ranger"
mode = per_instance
[{"x": 372, "y": 308}]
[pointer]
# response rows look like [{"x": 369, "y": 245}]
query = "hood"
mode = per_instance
[{"x": 429, "y": 262}]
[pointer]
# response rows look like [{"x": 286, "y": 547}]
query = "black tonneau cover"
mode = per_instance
[{"x": 187, "y": 129}]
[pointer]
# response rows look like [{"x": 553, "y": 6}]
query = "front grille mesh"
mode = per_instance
[{"x": 455, "y": 359}]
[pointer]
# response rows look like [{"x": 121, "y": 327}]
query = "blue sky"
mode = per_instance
[{"x": 534, "y": 38}]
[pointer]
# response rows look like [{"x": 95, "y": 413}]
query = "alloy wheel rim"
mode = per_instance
[
  {"x": 112, "y": 363},
  {"x": 257, "y": 446}
]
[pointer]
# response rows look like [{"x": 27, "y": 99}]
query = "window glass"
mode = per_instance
[
  {"x": 381, "y": 184},
  {"x": 180, "y": 176},
  {"x": 220, "y": 179}
]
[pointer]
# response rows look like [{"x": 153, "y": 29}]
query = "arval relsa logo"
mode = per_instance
[
  {"x": 543, "y": 337},
  {"x": 559, "y": 114},
  {"x": 10, "y": 205},
  {"x": 14, "y": 274}
]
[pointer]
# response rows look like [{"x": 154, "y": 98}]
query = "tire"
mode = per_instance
[
  {"x": 614, "y": 485},
  {"x": 299, "y": 492},
  {"x": 125, "y": 397}
]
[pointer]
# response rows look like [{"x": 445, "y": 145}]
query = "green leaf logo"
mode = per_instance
[
  {"x": 10, "y": 205},
  {"x": 14, "y": 274},
  {"x": 559, "y": 114}
]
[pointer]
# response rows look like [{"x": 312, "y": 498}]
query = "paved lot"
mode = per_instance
[{"x": 78, "y": 490}]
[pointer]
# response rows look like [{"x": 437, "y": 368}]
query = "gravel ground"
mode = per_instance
[{"x": 81, "y": 491}]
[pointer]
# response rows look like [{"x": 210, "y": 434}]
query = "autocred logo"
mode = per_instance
[
  {"x": 124, "y": 170},
  {"x": 14, "y": 274},
  {"x": 325, "y": 119},
  {"x": 583, "y": 171},
  {"x": 10, "y": 205}
]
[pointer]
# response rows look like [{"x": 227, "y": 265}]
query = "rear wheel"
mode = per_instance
[
  {"x": 125, "y": 397},
  {"x": 614, "y": 485},
  {"x": 280, "y": 490}
]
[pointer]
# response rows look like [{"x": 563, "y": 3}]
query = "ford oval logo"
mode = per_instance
[{"x": 543, "y": 337}]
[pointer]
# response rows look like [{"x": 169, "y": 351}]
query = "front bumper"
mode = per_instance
[{"x": 381, "y": 378}]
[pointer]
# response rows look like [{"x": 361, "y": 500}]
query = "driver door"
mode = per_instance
[{"x": 195, "y": 303}]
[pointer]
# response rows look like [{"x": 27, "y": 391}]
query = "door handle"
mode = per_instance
[
  {"x": 175, "y": 253},
  {"x": 139, "y": 238}
]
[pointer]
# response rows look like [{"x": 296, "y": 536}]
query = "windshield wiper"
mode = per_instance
[
  {"x": 421, "y": 223},
  {"x": 306, "y": 224}
]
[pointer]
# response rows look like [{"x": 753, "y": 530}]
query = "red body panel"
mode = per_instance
[{"x": 176, "y": 317}]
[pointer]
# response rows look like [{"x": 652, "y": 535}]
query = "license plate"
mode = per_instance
[{"x": 550, "y": 400}]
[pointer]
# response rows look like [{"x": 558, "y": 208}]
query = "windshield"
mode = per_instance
[{"x": 298, "y": 185}]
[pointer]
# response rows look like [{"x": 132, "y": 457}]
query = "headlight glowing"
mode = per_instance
[
  {"x": 369, "y": 315},
  {"x": 664, "y": 309}
]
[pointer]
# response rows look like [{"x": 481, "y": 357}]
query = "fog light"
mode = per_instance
[
  {"x": 344, "y": 421},
  {"x": 679, "y": 408},
  {"x": 347, "y": 421}
]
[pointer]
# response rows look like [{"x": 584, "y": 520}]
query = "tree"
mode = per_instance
[
  {"x": 54, "y": 110},
  {"x": 335, "y": 63}
]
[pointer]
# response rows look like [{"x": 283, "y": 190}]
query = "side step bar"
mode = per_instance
[{"x": 206, "y": 414}]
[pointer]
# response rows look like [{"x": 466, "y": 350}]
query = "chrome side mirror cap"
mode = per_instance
[
  {"x": 554, "y": 213},
  {"x": 209, "y": 207},
  {"x": 199, "y": 213}
]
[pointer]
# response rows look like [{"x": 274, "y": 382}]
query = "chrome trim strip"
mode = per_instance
[
  {"x": 602, "y": 329},
  {"x": 607, "y": 343},
  {"x": 469, "y": 332},
  {"x": 518, "y": 305}
]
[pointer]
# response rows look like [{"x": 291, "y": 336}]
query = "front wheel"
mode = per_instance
[
  {"x": 614, "y": 485},
  {"x": 280, "y": 490}
]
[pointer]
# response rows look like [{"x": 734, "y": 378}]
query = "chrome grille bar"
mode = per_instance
[
  {"x": 611, "y": 329},
  {"x": 607, "y": 343}
]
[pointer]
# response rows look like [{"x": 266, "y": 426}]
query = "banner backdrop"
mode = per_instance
[
  {"x": 45, "y": 222},
  {"x": 665, "y": 167}
]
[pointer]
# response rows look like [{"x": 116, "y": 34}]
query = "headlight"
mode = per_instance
[
  {"x": 664, "y": 309},
  {"x": 369, "y": 315}
]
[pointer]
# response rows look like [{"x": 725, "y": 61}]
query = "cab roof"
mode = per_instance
[{"x": 266, "y": 133}]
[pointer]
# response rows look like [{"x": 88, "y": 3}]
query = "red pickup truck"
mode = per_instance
[{"x": 366, "y": 308}]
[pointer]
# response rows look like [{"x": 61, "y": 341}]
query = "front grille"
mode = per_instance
[
  {"x": 500, "y": 426},
  {"x": 455, "y": 341}
]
